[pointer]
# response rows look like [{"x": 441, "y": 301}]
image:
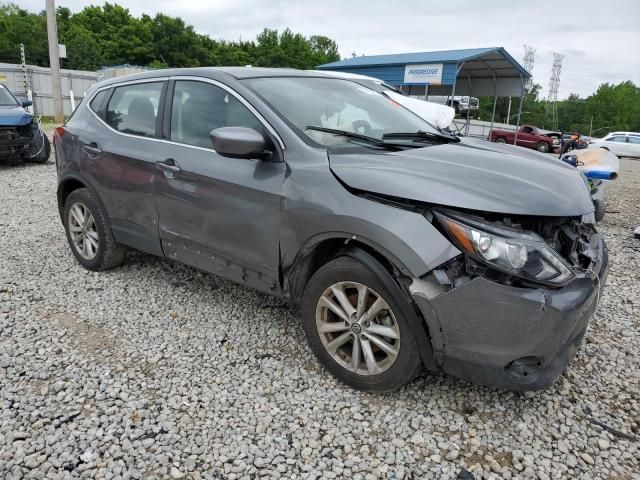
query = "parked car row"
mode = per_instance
[{"x": 406, "y": 247}]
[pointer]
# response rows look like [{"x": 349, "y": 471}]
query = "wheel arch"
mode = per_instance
[
  {"x": 68, "y": 185},
  {"x": 324, "y": 247},
  {"x": 388, "y": 269}
]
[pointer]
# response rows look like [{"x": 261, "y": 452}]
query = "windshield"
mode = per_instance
[
  {"x": 337, "y": 104},
  {"x": 6, "y": 98}
]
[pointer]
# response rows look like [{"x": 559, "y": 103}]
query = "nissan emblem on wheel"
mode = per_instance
[{"x": 406, "y": 248}]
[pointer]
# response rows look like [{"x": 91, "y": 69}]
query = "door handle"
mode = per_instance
[
  {"x": 168, "y": 165},
  {"x": 92, "y": 148}
]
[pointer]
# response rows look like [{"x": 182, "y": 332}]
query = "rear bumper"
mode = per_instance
[{"x": 512, "y": 338}]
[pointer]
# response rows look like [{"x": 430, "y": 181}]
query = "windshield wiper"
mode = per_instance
[
  {"x": 345, "y": 133},
  {"x": 421, "y": 135}
]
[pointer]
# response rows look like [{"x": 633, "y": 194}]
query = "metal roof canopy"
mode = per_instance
[
  {"x": 489, "y": 72},
  {"x": 475, "y": 71}
]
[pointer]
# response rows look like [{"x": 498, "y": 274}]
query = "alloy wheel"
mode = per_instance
[
  {"x": 83, "y": 231},
  {"x": 358, "y": 328}
]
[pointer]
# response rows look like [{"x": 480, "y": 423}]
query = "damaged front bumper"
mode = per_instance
[
  {"x": 19, "y": 142},
  {"x": 508, "y": 337}
]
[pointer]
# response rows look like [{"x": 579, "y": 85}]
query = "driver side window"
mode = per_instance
[{"x": 199, "y": 107}]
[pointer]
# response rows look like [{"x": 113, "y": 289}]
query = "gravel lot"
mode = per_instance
[{"x": 155, "y": 370}]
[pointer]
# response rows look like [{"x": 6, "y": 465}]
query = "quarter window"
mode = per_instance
[
  {"x": 199, "y": 107},
  {"x": 133, "y": 108},
  {"x": 97, "y": 103}
]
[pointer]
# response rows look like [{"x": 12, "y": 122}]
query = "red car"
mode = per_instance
[{"x": 528, "y": 136}]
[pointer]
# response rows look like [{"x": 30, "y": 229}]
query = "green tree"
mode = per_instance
[{"x": 19, "y": 26}]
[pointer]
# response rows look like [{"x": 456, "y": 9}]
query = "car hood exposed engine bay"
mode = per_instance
[{"x": 504, "y": 186}]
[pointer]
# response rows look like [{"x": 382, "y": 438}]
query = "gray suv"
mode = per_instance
[{"x": 406, "y": 248}]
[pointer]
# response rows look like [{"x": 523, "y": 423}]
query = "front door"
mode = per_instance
[{"x": 217, "y": 213}]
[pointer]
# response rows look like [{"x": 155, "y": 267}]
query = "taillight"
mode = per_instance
[{"x": 57, "y": 134}]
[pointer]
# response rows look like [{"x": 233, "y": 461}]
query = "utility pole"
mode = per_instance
[{"x": 54, "y": 61}]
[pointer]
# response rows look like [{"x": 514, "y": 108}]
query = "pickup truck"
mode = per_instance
[{"x": 528, "y": 136}]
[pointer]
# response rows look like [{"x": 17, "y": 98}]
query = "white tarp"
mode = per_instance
[
  {"x": 598, "y": 163},
  {"x": 439, "y": 115}
]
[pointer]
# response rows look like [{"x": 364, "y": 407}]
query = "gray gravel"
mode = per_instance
[{"x": 155, "y": 370}]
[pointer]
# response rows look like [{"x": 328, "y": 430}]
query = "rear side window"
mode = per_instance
[
  {"x": 199, "y": 107},
  {"x": 633, "y": 140},
  {"x": 133, "y": 109},
  {"x": 97, "y": 104}
]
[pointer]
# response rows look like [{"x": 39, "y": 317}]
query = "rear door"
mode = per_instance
[
  {"x": 617, "y": 144},
  {"x": 633, "y": 145},
  {"x": 220, "y": 214},
  {"x": 120, "y": 159}
]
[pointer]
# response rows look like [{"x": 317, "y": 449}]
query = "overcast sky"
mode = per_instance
[{"x": 600, "y": 40}]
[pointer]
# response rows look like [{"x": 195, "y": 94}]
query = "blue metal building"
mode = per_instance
[{"x": 474, "y": 71}]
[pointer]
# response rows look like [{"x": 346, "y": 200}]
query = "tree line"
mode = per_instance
[
  {"x": 609, "y": 108},
  {"x": 107, "y": 35}
]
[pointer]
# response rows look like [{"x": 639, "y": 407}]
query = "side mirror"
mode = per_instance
[
  {"x": 239, "y": 142},
  {"x": 26, "y": 103}
]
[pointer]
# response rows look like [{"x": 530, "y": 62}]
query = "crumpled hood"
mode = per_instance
[
  {"x": 14, "y": 116},
  {"x": 473, "y": 174}
]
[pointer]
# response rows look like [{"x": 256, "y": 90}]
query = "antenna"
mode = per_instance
[
  {"x": 554, "y": 83},
  {"x": 528, "y": 62}
]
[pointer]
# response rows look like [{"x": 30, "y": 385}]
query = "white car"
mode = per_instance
[{"x": 622, "y": 144}]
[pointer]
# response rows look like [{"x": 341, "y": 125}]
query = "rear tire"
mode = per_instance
[
  {"x": 387, "y": 356},
  {"x": 543, "y": 147},
  {"x": 89, "y": 233},
  {"x": 500, "y": 140}
]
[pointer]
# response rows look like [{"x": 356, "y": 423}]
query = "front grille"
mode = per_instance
[{"x": 14, "y": 141}]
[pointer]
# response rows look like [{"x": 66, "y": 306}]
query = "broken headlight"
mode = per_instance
[{"x": 523, "y": 254}]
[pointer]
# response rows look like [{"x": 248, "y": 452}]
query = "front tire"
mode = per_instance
[
  {"x": 89, "y": 234},
  {"x": 357, "y": 328},
  {"x": 44, "y": 153},
  {"x": 543, "y": 147}
]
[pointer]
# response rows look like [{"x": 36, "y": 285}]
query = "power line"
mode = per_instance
[{"x": 554, "y": 84}]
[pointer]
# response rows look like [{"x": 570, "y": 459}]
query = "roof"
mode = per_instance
[
  {"x": 213, "y": 72},
  {"x": 483, "y": 55}
]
